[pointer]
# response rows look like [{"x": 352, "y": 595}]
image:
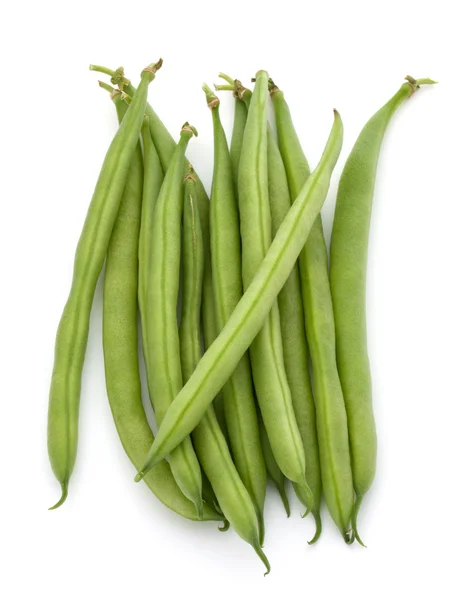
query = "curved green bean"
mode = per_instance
[
  {"x": 152, "y": 182},
  {"x": 165, "y": 146},
  {"x": 295, "y": 350},
  {"x": 120, "y": 342},
  {"x": 211, "y": 446},
  {"x": 313, "y": 267},
  {"x": 163, "y": 361},
  {"x": 222, "y": 357},
  {"x": 238, "y": 394},
  {"x": 348, "y": 262},
  {"x": 72, "y": 334},
  {"x": 266, "y": 352}
]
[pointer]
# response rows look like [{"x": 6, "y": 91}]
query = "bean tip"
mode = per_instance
[{"x": 63, "y": 497}]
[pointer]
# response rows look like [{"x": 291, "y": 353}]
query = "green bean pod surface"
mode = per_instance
[
  {"x": 274, "y": 472},
  {"x": 165, "y": 146},
  {"x": 295, "y": 350},
  {"x": 238, "y": 393},
  {"x": 152, "y": 182},
  {"x": 348, "y": 265},
  {"x": 120, "y": 342},
  {"x": 222, "y": 357},
  {"x": 266, "y": 352},
  {"x": 211, "y": 446},
  {"x": 72, "y": 334},
  {"x": 163, "y": 360},
  {"x": 331, "y": 419}
]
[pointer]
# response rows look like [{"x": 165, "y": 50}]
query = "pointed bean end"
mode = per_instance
[
  {"x": 63, "y": 497},
  {"x": 318, "y": 528}
]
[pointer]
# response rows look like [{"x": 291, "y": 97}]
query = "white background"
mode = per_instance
[{"x": 112, "y": 539}]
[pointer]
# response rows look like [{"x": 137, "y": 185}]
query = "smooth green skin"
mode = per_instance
[
  {"x": 222, "y": 357},
  {"x": 153, "y": 179},
  {"x": 120, "y": 343},
  {"x": 163, "y": 360},
  {"x": 72, "y": 333},
  {"x": 295, "y": 350},
  {"x": 240, "y": 120},
  {"x": 165, "y": 146},
  {"x": 266, "y": 351},
  {"x": 274, "y": 472},
  {"x": 210, "y": 443},
  {"x": 238, "y": 393},
  {"x": 348, "y": 265},
  {"x": 331, "y": 418}
]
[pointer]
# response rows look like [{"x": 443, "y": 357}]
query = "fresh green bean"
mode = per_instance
[
  {"x": 348, "y": 262},
  {"x": 152, "y": 182},
  {"x": 165, "y": 146},
  {"x": 313, "y": 267},
  {"x": 120, "y": 342},
  {"x": 274, "y": 472},
  {"x": 72, "y": 334},
  {"x": 222, "y": 357},
  {"x": 163, "y": 361},
  {"x": 296, "y": 354},
  {"x": 292, "y": 326},
  {"x": 210, "y": 443},
  {"x": 238, "y": 394},
  {"x": 240, "y": 120},
  {"x": 266, "y": 352}
]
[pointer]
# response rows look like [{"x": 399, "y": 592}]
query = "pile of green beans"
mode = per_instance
[{"x": 253, "y": 334}]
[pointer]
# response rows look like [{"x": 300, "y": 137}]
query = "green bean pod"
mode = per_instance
[
  {"x": 163, "y": 360},
  {"x": 211, "y": 446},
  {"x": 222, "y": 357},
  {"x": 152, "y": 182},
  {"x": 348, "y": 263},
  {"x": 266, "y": 352},
  {"x": 295, "y": 350},
  {"x": 238, "y": 393},
  {"x": 243, "y": 96},
  {"x": 274, "y": 472},
  {"x": 72, "y": 334},
  {"x": 120, "y": 342},
  {"x": 240, "y": 120},
  {"x": 332, "y": 427},
  {"x": 165, "y": 146}
]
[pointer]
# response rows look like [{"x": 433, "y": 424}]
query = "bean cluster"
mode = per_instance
[{"x": 236, "y": 295}]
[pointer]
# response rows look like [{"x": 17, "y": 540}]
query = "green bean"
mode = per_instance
[
  {"x": 296, "y": 354},
  {"x": 332, "y": 428},
  {"x": 238, "y": 394},
  {"x": 348, "y": 261},
  {"x": 189, "y": 329},
  {"x": 152, "y": 182},
  {"x": 274, "y": 472},
  {"x": 222, "y": 357},
  {"x": 72, "y": 334},
  {"x": 163, "y": 361},
  {"x": 292, "y": 327},
  {"x": 240, "y": 120},
  {"x": 243, "y": 97},
  {"x": 210, "y": 443},
  {"x": 266, "y": 352},
  {"x": 165, "y": 146},
  {"x": 120, "y": 342}
]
